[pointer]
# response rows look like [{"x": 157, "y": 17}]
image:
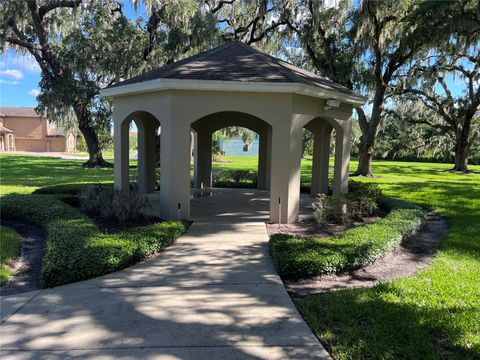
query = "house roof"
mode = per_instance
[
  {"x": 235, "y": 62},
  {"x": 18, "y": 111},
  {"x": 3, "y": 129}
]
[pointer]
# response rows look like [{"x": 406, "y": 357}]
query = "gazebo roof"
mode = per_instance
[{"x": 234, "y": 63}]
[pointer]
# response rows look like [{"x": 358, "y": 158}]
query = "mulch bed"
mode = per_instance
[
  {"x": 414, "y": 253},
  {"x": 28, "y": 265},
  {"x": 310, "y": 227}
]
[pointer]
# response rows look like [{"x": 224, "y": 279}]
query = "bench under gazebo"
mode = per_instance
[{"x": 231, "y": 85}]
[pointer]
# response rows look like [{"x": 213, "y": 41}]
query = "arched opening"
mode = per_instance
[
  {"x": 140, "y": 145},
  {"x": 237, "y": 146},
  {"x": 239, "y": 138},
  {"x": 326, "y": 139},
  {"x": 204, "y": 130}
]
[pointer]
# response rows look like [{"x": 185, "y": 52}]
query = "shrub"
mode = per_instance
[
  {"x": 362, "y": 199},
  {"x": 76, "y": 249},
  {"x": 106, "y": 203},
  {"x": 234, "y": 178},
  {"x": 354, "y": 248}
]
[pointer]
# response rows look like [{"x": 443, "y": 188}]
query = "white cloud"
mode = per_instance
[
  {"x": 33, "y": 92},
  {"x": 12, "y": 73},
  {"x": 21, "y": 62},
  {"x": 8, "y": 82}
]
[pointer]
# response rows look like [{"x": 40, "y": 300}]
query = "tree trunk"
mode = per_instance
[
  {"x": 365, "y": 156},
  {"x": 461, "y": 159},
  {"x": 94, "y": 151},
  {"x": 461, "y": 146},
  {"x": 369, "y": 132},
  {"x": 90, "y": 136}
]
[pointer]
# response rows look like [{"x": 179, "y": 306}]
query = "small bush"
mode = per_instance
[
  {"x": 76, "y": 249},
  {"x": 108, "y": 204},
  {"x": 234, "y": 178},
  {"x": 362, "y": 199},
  {"x": 354, "y": 248}
]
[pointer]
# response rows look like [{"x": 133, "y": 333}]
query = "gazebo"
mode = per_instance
[{"x": 231, "y": 85}]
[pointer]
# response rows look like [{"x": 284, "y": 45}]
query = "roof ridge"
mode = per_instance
[
  {"x": 289, "y": 68},
  {"x": 174, "y": 70},
  {"x": 258, "y": 54},
  {"x": 202, "y": 56}
]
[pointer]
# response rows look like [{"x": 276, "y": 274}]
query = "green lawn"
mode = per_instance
[
  {"x": 435, "y": 314},
  {"x": 23, "y": 174},
  {"x": 9, "y": 245}
]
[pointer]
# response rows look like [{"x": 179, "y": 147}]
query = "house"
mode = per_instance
[{"x": 22, "y": 129}]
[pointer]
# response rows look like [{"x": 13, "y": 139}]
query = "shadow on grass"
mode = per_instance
[{"x": 380, "y": 327}]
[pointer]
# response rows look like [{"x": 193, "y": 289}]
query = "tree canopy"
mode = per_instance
[{"x": 391, "y": 51}]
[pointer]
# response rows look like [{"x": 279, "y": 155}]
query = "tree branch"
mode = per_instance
[
  {"x": 43, "y": 10},
  {"x": 219, "y": 5},
  {"x": 267, "y": 30}
]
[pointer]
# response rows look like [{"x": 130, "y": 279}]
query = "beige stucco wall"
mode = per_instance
[
  {"x": 285, "y": 113},
  {"x": 27, "y": 127},
  {"x": 31, "y": 134}
]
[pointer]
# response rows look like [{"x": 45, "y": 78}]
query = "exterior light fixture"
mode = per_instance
[
  {"x": 279, "y": 211},
  {"x": 332, "y": 103}
]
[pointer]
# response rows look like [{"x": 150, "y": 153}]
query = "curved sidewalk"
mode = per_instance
[{"x": 214, "y": 294}]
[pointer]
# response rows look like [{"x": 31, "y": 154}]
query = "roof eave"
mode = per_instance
[{"x": 242, "y": 86}]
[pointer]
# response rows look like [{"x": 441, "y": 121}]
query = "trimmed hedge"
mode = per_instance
[
  {"x": 353, "y": 249},
  {"x": 69, "y": 189},
  {"x": 76, "y": 249}
]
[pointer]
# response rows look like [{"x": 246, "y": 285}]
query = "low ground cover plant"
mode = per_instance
[
  {"x": 76, "y": 248},
  {"x": 9, "y": 247},
  {"x": 357, "y": 247}
]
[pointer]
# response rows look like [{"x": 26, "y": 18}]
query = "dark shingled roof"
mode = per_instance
[{"x": 235, "y": 61}]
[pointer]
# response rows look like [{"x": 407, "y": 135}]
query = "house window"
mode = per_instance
[{"x": 245, "y": 148}]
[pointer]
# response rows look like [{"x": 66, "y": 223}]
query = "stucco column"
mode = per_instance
[
  {"x": 203, "y": 159},
  {"x": 321, "y": 156},
  {"x": 342, "y": 157},
  {"x": 146, "y": 155},
  {"x": 285, "y": 170},
  {"x": 264, "y": 159},
  {"x": 120, "y": 169},
  {"x": 175, "y": 169}
]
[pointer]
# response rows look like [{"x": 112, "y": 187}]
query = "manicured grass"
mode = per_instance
[
  {"x": 106, "y": 154},
  {"x": 9, "y": 246},
  {"x": 76, "y": 249},
  {"x": 23, "y": 174},
  {"x": 354, "y": 248},
  {"x": 435, "y": 314}
]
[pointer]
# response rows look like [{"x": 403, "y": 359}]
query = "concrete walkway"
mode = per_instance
[{"x": 212, "y": 295}]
